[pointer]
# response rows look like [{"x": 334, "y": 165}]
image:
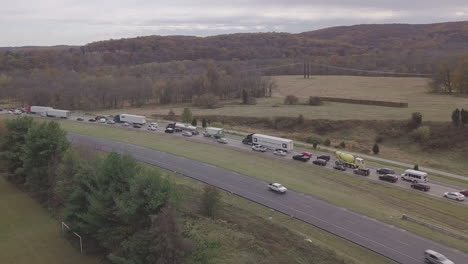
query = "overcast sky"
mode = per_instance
[{"x": 77, "y": 22}]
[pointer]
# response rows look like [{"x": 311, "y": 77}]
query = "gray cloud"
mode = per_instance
[{"x": 52, "y": 22}]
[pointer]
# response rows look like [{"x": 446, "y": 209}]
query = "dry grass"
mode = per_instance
[{"x": 412, "y": 90}]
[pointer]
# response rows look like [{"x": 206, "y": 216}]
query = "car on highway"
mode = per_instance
[
  {"x": 111, "y": 122},
  {"x": 10, "y": 112},
  {"x": 385, "y": 171},
  {"x": 152, "y": 128},
  {"x": 154, "y": 124},
  {"x": 301, "y": 157},
  {"x": 454, "y": 196},
  {"x": 280, "y": 152},
  {"x": 222, "y": 140},
  {"x": 464, "y": 192},
  {"x": 102, "y": 120},
  {"x": 136, "y": 126},
  {"x": 187, "y": 134},
  {"x": 433, "y": 257},
  {"x": 91, "y": 120},
  {"x": 169, "y": 130},
  {"x": 79, "y": 119},
  {"x": 126, "y": 124},
  {"x": 276, "y": 187},
  {"x": 339, "y": 166},
  {"x": 324, "y": 157},
  {"x": 259, "y": 148},
  {"x": 361, "y": 171},
  {"x": 421, "y": 187},
  {"x": 320, "y": 162},
  {"x": 388, "y": 177}
]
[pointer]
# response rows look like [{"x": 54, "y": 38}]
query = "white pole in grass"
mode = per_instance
[{"x": 64, "y": 225}]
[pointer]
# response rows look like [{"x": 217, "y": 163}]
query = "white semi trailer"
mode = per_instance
[
  {"x": 40, "y": 110},
  {"x": 57, "y": 113},
  {"x": 132, "y": 119},
  {"x": 214, "y": 132},
  {"x": 269, "y": 142}
]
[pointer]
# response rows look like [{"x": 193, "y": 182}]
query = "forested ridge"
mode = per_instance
[{"x": 175, "y": 69}]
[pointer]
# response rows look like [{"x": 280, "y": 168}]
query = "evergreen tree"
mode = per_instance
[
  {"x": 12, "y": 148},
  {"x": 456, "y": 118},
  {"x": 194, "y": 122},
  {"x": 245, "y": 97},
  {"x": 300, "y": 119},
  {"x": 464, "y": 117},
  {"x": 204, "y": 123},
  {"x": 376, "y": 149},
  {"x": 187, "y": 115},
  {"x": 210, "y": 200},
  {"x": 45, "y": 143},
  {"x": 416, "y": 167}
]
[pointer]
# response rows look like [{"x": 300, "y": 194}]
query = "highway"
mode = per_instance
[{"x": 394, "y": 243}]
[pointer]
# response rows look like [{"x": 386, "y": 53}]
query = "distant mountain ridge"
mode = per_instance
[{"x": 403, "y": 47}]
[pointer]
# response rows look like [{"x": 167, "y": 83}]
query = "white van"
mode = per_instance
[{"x": 414, "y": 176}]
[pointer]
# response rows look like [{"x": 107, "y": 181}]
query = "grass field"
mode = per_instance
[
  {"x": 412, "y": 90},
  {"x": 29, "y": 235},
  {"x": 244, "y": 232},
  {"x": 368, "y": 198}
]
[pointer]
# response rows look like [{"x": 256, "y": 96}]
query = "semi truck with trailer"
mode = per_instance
[
  {"x": 349, "y": 160},
  {"x": 131, "y": 119},
  {"x": 57, "y": 113},
  {"x": 214, "y": 132},
  {"x": 269, "y": 142},
  {"x": 40, "y": 110}
]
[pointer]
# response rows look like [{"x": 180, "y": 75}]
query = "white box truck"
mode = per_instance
[
  {"x": 269, "y": 142},
  {"x": 132, "y": 119},
  {"x": 214, "y": 132},
  {"x": 57, "y": 113},
  {"x": 40, "y": 110}
]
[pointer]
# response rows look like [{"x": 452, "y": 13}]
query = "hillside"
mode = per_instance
[{"x": 386, "y": 46}]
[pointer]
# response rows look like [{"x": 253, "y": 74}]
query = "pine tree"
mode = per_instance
[
  {"x": 187, "y": 115},
  {"x": 456, "y": 117},
  {"x": 376, "y": 149},
  {"x": 245, "y": 97},
  {"x": 194, "y": 122},
  {"x": 464, "y": 117},
  {"x": 204, "y": 123}
]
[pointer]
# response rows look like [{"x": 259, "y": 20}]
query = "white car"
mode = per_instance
[
  {"x": 276, "y": 187},
  {"x": 187, "y": 134},
  {"x": 102, "y": 120},
  {"x": 154, "y": 124},
  {"x": 433, "y": 257},
  {"x": 111, "y": 122},
  {"x": 259, "y": 148},
  {"x": 280, "y": 152},
  {"x": 152, "y": 128},
  {"x": 126, "y": 124},
  {"x": 454, "y": 196},
  {"x": 222, "y": 140}
]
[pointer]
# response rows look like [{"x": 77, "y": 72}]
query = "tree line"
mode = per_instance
[
  {"x": 135, "y": 86},
  {"x": 122, "y": 210}
]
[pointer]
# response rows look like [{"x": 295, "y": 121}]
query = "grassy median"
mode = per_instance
[{"x": 373, "y": 199}]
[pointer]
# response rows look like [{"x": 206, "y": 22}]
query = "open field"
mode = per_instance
[
  {"x": 29, "y": 235},
  {"x": 244, "y": 230},
  {"x": 412, "y": 90},
  {"x": 368, "y": 198}
]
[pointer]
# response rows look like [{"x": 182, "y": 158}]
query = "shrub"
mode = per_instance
[
  {"x": 421, "y": 134},
  {"x": 314, "y": 100},
  {"x": 187, "y": 116},
  {"x": 291, "y": 99},
  {"x": 327, "y": 142},
  {"x": 204, "y": 123},
  {"x": 313, "y": 140},
  {"x": 171, "y": 115},
  {"x": 376, "y": 149},
  {"x": 300, "y": 119},
  {"x": 416, "y": 167},
  {"x": 210, "y": 201},
  {"x": 415, "y": 121},
  {"x": 216, "y": 124},
  {"x": 207, "y": 100},
  {"x": 342, "y": 144}
]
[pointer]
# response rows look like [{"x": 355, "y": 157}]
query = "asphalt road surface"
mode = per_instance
[{"x": 389, "y": 241}]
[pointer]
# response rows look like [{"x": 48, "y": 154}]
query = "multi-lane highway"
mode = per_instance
[{"x": 389, "y": 241}]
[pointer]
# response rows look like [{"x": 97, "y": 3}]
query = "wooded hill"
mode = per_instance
[{"x": 401, "y": 47}]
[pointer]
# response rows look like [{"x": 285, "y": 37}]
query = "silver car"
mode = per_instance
[
  {"x": 222, "y": 140},
  {"x": 433, "y": 257}
]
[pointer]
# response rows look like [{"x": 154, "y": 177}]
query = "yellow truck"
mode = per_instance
[{"x": 349, "y": 160}]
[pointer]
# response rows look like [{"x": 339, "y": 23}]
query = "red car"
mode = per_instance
[
  {"x": 464, "y": 192},
  {"x": 306, "y": 154}
]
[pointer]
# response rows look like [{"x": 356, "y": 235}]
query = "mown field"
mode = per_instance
[
  {"x": 28, "y": 234},
  {"x": 400, "y": 89},
  {"x": 373, "y": 199}
]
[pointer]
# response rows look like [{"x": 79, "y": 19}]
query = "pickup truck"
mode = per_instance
[
  {"x": 362, "y": 171},
  {"x": 276, "y": 187}
]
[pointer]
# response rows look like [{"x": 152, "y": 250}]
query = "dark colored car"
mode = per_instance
[
  {"x": 136, "y": 126},
  {"x": 324, "y": 157},
  {"x": 79, "y": 119},
  {"x": 361, "y": 171},
  {"x": 92, "y": 120},
  {"x": 388, "y": 177},
  {"x": 421, "y": 187},
  {"x": 464, "y": 192},
  {"x": 301, "y": 157},
  {"x": 320, "y": 162},
  {"x": 169, "y": 130},
  {"x": 385, "y": 171},
  {"x": 339, "y": 166}
]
